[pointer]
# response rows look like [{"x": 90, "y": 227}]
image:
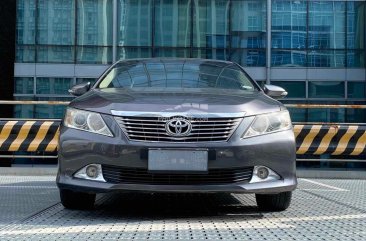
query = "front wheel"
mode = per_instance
[
  {"x": 274, "y": 202},
  {"x": 76, "y": 200}
]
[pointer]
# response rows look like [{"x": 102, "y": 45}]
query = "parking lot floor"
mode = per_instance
[{"x": 321, "y": 209}]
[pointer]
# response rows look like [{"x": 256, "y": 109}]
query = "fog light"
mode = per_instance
[
  {"x": 262, "y": 172},
  {"x": 92, "y": 171}
]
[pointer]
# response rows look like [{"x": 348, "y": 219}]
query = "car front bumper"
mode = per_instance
[
  {"x": 78, "y": 149},
  {"x": 81, "y": 185}
]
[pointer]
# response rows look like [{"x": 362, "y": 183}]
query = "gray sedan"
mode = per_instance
[{"x": 176, "y": 125}]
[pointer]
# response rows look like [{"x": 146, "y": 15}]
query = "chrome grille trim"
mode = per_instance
[
  {"x": 152, "y": 128},
  {"x": 170, "y": 114}
]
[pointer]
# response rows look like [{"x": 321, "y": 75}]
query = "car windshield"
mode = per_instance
[{"x": 176, "y": 74}]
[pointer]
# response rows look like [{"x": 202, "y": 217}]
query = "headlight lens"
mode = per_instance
[
  {"x": 87, "y": 121},
  {"x": 263, "y": 124}
]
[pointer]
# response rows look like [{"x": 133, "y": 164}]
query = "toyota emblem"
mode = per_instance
[{"x": 178, "y": 127}]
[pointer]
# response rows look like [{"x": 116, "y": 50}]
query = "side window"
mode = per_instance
[
  {"x": 122, "y": 79},
  {"x": 233, "y": 77}
]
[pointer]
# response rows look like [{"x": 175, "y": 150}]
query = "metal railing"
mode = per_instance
[
  {"x": 324, "y": 106},
  {"x": 33, "y": 102},
  {"x": 311, "y": 138}
]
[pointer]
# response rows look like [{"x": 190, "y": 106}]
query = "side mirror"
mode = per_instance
[
  {"x": 274, "y": 91},
  {"x": 79, "y": 89}
]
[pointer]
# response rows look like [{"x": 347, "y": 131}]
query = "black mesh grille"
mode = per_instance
[{"x": 114, "y": 174}]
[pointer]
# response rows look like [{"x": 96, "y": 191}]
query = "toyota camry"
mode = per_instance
[{"x": 176, "y": 125}]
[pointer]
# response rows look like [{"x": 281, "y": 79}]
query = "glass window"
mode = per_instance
[
  {"x": 356, "y": 115},
  {"x": 326, "y": 115},
  {"x": 295, "y": 89},
  {"x": 94, "y": 55},
  {"x": 172, "y": 52},
  {"x": 172, "y": 23},
  {"x": 85, "y": 80},
  {"x": 327, "y": 25},
  {"x": 56, "y": 22},
  {"x": 356, "y": 25},
  {"x": 221, "y": 54},
  {"x": 326, "y": 89},
  {"x": 40, "y": 111},
  {"x": 55, "y": 54},
  {"x": 23, "y": 85},
  {"x": 26, "y": 22},
  {"x": 327, "y": 58},
  {"x": 94, "y": 23},
  {"x": 211, "y": 23},
  {"x": 134, "y": 22},
  {"x": 25, "y": 53},
  {"x": 297, "y": 114},
  {"x": 248, "y": 57},
  {"x": 50, "y": 111},
  {"x": 289, "y": 31},
  {"x": 248, "y": 24},
  {"x": 356, "y": 89},
  {"x": 24, "y": 111},
  {"x": 289, "y": 15},
  {"x": 133, "y": 52},
  {"x": 340, "y": 115},
  {"x": 356, "y": 59},
  {"x": 56, "y": 31},
  {"x": 289, "y": 58},
  {"x": 288, "y": 40},
  {"x": 58, "y": 86},
  {"x": 180, "y": 73}
]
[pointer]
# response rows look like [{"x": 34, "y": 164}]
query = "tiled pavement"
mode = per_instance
[{"x": 322, "y": 209}]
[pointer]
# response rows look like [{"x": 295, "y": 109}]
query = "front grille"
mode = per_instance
[
  {"x": 114, "y": 174},
  {"x": 153, "y": 129}
]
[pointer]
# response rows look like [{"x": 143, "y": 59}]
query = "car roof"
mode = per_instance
[{"x": 218, "y": 63}]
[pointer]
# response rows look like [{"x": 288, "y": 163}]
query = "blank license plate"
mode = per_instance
[{"x": 177, "y": 160}]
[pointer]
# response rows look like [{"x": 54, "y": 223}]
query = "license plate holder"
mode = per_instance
[{"x": 160, "y": 160}]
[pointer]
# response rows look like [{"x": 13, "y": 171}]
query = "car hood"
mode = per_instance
[{"x": 180, "y": 100}]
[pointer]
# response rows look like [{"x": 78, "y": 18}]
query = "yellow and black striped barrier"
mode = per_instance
[
  {"x": 29, "y": 135},
  {"x": 311, "y": 139},
  {"x": 333, "y": 139}
]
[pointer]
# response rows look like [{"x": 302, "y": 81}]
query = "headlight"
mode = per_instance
[
  {"x": 86, "y": 121},
  {"x": 263, "y": 124}
]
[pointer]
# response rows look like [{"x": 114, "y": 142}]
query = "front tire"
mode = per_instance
[
  {"x": 274, "y": 202},
  {"x": 76, "y": 200}
]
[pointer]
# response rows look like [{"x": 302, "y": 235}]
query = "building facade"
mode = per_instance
[{"x": 314, "y": 49}]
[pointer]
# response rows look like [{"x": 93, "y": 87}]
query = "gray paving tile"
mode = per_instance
[{"x": 322, "y": 209}]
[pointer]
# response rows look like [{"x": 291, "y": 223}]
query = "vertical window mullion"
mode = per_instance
[
  {"x": 114, "y": 29},
  {"x": 36, "y": 32},
  {"x": 75, "y": 30},
  {"x": 269, "y": 40},
  {"x": 153, "y": 29},
  {"x": 307, "y": 34},
  {"x": 229, "y": 27},
  {"x": 345, "y": 37},
  {"x": 191, "y": 26}
]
